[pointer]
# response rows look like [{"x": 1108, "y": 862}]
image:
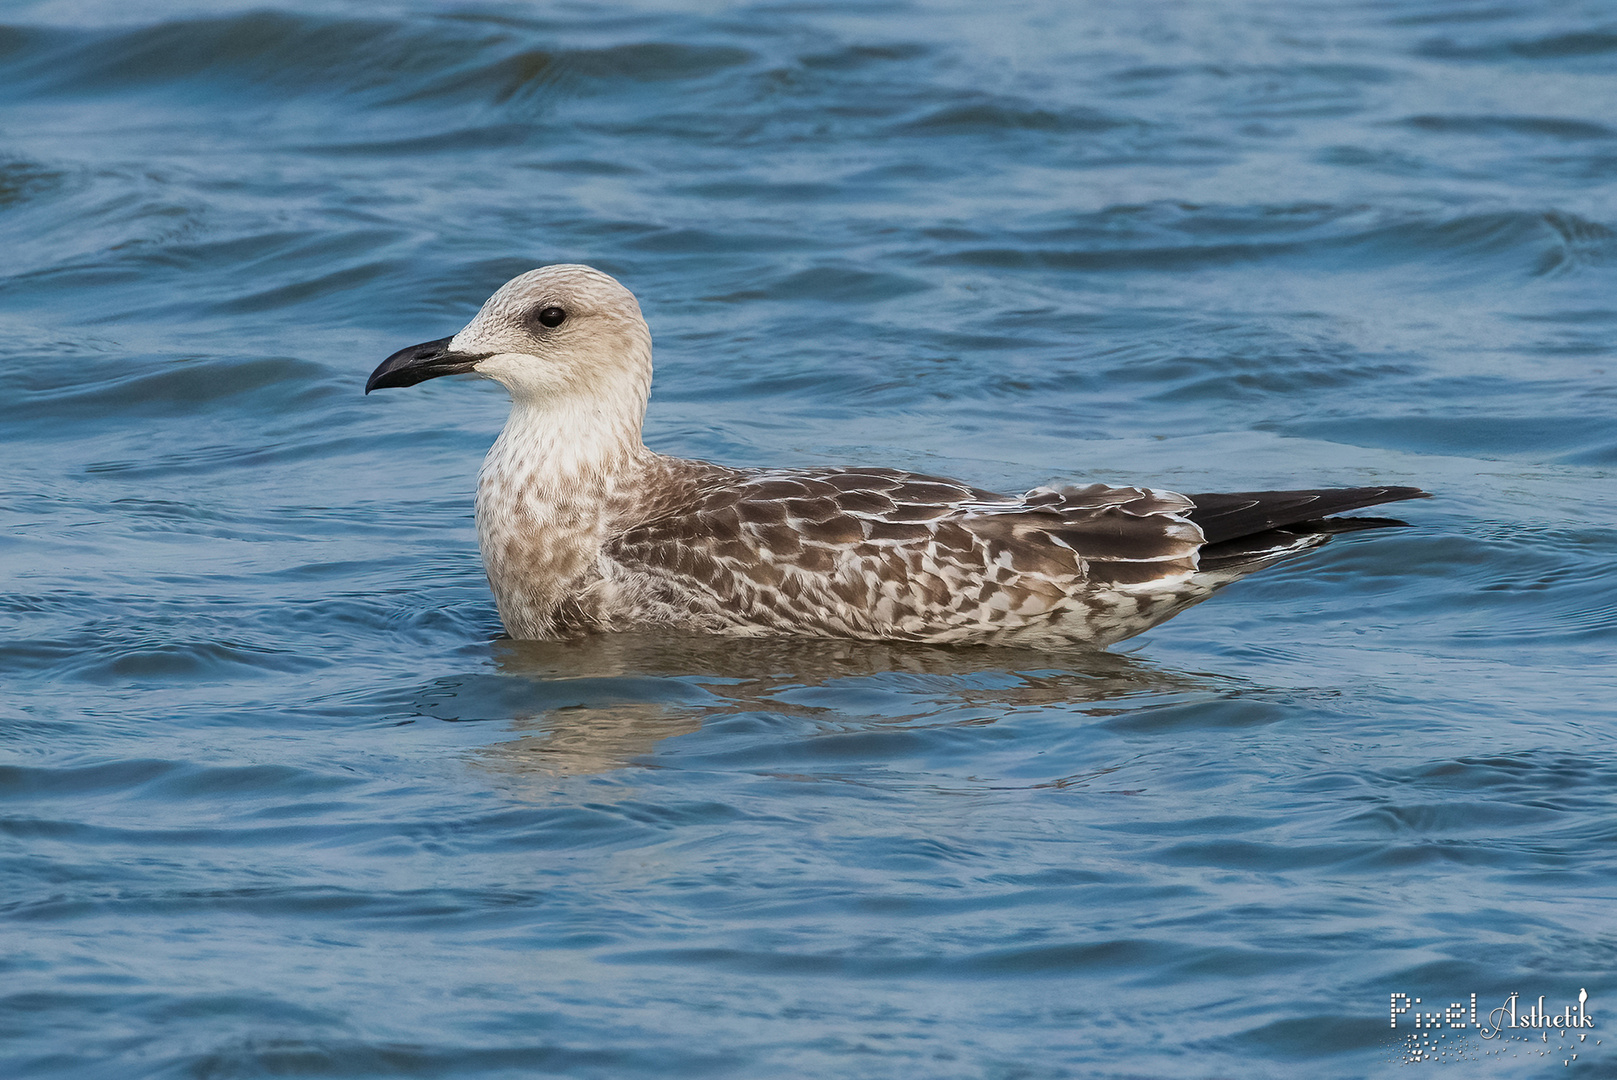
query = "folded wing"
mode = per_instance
[{"x": 881, "y": 552}]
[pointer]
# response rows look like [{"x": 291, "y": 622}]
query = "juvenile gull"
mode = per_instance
[{"x": 584, "y": 528}]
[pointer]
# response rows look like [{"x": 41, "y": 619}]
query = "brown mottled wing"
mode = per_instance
[
  {"x": 888, "y": 553},
  {"x": 1126, "y": 536}
]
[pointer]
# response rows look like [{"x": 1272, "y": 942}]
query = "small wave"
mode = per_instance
[
  {"x": 165, "y": 779},
  {"x": 298, "y": 53},
  {"x": 108, "y": 386},
  {"x": 1549, "y": 241},
  {"x": 1523, "y": 778},
  {"x": 1456, "y": 817},
  {"x": 1340, "y": 73},
  {"x": 990, "y": 115},
  {"x": 483, "y": 137},
  {"x": 341, "y": 1055},
  {"x": 386, "y": 62},
  {"x": 857, "y": 57},
  {"x": 832, "y": 284},
  {"x": 1551, "y": 126},
  {"x": 188, "y": 661},
  {"x": 1534, "y": 438},
  {"x": 532, "y": 75},
  {"x": 22, "y": 180},
  {"x": 1553, "y": 47},
  {"x": 654, "y": 61}
]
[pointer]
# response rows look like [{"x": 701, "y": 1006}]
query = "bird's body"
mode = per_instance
[{"x": 582, "y": 527}]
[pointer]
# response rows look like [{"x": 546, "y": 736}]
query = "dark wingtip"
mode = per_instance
[{"x": 1231, "y": 515}]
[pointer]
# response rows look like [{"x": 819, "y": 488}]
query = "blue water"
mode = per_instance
[{"x": 276, "y": 798}]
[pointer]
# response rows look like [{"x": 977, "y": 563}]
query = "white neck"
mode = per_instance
[
  {"x": 545, "y": 494},
  {"x": 562, "y": 444}
]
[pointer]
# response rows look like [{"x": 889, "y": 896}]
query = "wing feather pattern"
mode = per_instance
[{"x": 884, "y": 553}]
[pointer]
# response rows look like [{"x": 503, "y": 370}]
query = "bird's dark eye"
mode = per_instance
[{"x": 551, "y": 316}]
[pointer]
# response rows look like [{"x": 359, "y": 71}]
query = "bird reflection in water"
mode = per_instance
[{"x": 604, "y": 702}]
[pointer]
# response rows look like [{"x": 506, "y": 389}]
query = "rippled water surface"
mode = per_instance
[{"x": 276, "y": 797}]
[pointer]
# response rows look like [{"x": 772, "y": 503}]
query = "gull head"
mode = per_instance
[{"x": 556, "y": 333}]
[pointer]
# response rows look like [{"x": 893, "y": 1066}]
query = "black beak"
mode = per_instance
[{"x": 419, "y": 363}]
